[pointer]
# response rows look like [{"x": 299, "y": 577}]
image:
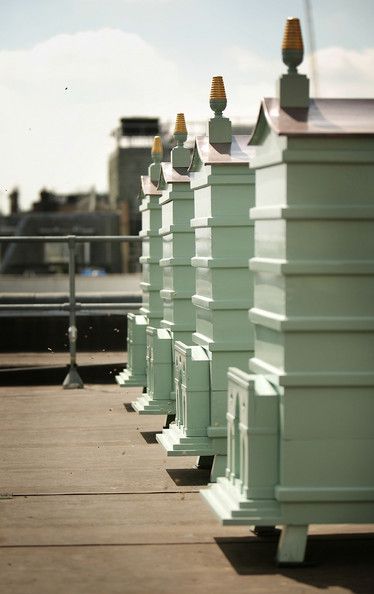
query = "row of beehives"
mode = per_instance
[{"x": 293, "y": 440}]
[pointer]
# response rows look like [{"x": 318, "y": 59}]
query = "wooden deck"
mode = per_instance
[{"x": 90, "y": 504}]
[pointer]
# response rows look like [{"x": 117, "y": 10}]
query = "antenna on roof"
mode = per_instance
[{"x": 312, "y": 45}]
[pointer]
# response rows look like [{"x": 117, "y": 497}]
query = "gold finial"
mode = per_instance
[
  {"x": 292, "y": 46},
  {"x": 180, "y": 155},
  {"x": 157, "y": 146},
  {"x": 292, "y": 38},
  {"x": 217, "y": 90},
  {"x": 180, "y": 124},
  {"x": 219, "y": 127}
]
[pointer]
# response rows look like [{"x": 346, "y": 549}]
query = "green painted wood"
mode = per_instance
[
  {"x": 300, "y": 440},
  {"x": 135, "y": 373},
  {"x": 178, "y": 285},
  {"x": 223, "y": 193},
  {"x": 151, "y": 311}
]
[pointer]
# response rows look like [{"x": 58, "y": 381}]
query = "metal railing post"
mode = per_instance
[{"x": 72, "y": 380}]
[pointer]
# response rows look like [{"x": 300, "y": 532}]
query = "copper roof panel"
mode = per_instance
[
  {"x": 175, "y": 174},
  {"x": 228, "y": 153},
  {"x": 323, "y": 117},
  {"x": 149, "y": 187}
]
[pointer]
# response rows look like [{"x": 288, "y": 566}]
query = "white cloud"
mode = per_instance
[
  {"x": 60, "y": 99},
  {"x": 252, "y": 77},
  {"x": 341, "y": 72},
  {"x": 346, "y": 73},
  {"x": 108, "y": 2}
]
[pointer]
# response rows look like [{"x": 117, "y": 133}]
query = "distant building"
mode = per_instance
[
  {"x": 91, "y": 201},
  {"x": 90, "y": 213},
  {"x": 129, "y": 160},
  {"x": 14, "y": 201},
  {"x": 48, "y": 257},
  {"x": 61, "y": 214}
]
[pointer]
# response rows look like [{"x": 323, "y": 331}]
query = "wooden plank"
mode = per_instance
[
  {"x": 125, "y": 519},
  {"x": 158, "y": 538},
  {"x": 105, "y": 519},
  {"x": 57, "y": 358},
  {"x": 56, "y": 441},
  {"x": 237, "y": 567}
]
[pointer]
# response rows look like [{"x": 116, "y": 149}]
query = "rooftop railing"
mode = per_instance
[{"x": 73, "y": 379}]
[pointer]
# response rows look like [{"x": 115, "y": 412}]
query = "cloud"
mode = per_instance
[
  {"x": 346, "y": 73},
  {"x": 341, "y": 73},
  {"x": 129, "y": 1},
  {"x": 252, "y": 77},
  {"x": 60, "y": 99}
]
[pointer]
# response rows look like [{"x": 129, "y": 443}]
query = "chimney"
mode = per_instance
[{"x": 14, "y": 201}]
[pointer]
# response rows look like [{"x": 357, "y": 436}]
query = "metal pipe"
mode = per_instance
[
  {"x": 73, "y": 379},
  {"x": 66, "y": 306},
  {"x": 88, "y": 306},
  {"x": 73, "y": 332},
  {"x": 312, "y": 46},
  {"x": 66, "y": 238}
]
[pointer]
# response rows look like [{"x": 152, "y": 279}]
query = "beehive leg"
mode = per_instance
[
  {"x": 292, "y": 544},
  {"x": 170, "y": 418},
  {"x": 204, "y": 462},
  {"x": 265, "y": 531},
  {"x": 218, "y": 467}
]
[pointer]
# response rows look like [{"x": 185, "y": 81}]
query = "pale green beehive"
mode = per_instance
[
  {"x": 223, "y": 192},
  {"x": 301, "y": 445},
  {"x": 178, "y": 247},
  {"x": 151, "y": 310}
]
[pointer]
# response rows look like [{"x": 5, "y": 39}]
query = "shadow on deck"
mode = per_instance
[{"x": 92, "y": 505}]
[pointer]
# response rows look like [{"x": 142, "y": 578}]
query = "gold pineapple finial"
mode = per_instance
[
  {"x": 292, "y": 38},
  {"x": 155, "y": 167},
  {"x": 293, "y": 87},
  {"x": 218, "y": 99},
  {"x": 180, "y": 124},
  {"x": 292, "y": 46},
  {"x": 217, "y": 89},
  {"x": 180, "y": 155},
  {"x": 157, "y": 146},
  {"x": 219, "y": 128}
]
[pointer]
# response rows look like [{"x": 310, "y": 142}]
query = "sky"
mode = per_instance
[{"x": 70, "y": 69}]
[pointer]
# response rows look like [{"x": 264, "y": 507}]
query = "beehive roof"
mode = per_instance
[
  {"x": 224, "y": 153},
  {"x": 174, "y": 174},
  {"x": 149, "y": 187},
  {"x": 324, "y": 117}
]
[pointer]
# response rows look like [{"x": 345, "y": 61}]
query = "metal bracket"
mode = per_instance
[{"x": 73, "y": 380}]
